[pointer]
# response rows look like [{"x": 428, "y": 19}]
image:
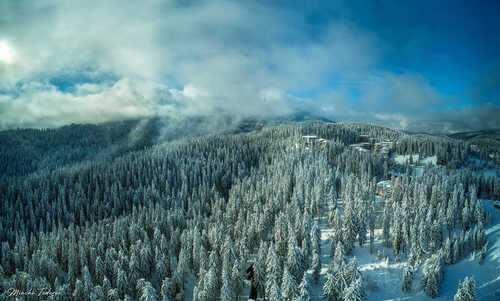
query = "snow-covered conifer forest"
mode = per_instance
[{"x": 120, "y": 211}]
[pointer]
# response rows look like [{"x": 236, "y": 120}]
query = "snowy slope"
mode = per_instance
[
  {"x": 486, "y": 275},
  {"x": 383, "y": 278}
]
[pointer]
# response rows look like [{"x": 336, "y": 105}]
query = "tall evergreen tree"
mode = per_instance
[
  {"x": 330, "y": 288},
  {"x": 407, "y": 279},
  {"x": 289, "y": 289},
  {"x": 304, "y": 289},
  {"x": 316, "y": 267},
  {"x": 274, "y": 292}
]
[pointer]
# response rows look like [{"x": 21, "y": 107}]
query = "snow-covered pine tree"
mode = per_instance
[
  {"x": 386, "y": 222},
  {"x": 259, "y": 278},
  {"x": 466, "y": 290},
  {"x": 436, "y": 236},
  {"x": 456, "y": 249},
  {"x": 306, "y": 246},
  {"x": 447, "y": 252},
  {"x": 199, "y": 292},
  {"x": 329, "y": 288},
  {"x": 289, "y": 289},
  {"x": 349, "y": 229},
  {"x": 304, "y": 289},
  {"x": 351, "y": 272},
  {"x": 237, "y": 279},
  {"x": 210, "y": 285},
  {"x": 471, "y": 289},
  {"x": 294, "y": 260},
  {"x": 148, "y": 293},
  {"x": 372, "y": 217},
  {"x": 354, "y": 292},
  {"x": 274, "y": 292},
  {"x": 482, "y": 253},
  {"x": 316, "y": 266},
  {"x": 226, "y": 293},
  {"x": 397, "y": 230},
  {"x": 407, "y": 279},
  {"x": 339, "y": 257},
  {"x": 273, "y": 270},
  {"x": 79, "y": 292},
  {"x": 432, "y": 275},
  {"x": 316, "y": 238},
  {"x": 166, "y": 290}
]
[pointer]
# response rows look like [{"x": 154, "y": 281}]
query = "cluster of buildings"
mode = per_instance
[
  {"x": 366, "y": 144},
  {"x": 369, "y": 144},
  {"x": 311, "y": 141}
]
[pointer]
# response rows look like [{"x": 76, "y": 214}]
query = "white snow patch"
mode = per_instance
[
  {"x": 429, "y": 160},
  {"x": 402, "y": 159},
  {"x": 419, "y": 171}
]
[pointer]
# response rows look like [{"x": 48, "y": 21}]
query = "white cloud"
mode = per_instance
[
  {"x": 42, "y": 105},
  {"x": 272, "y": 95},
  {"x": 193, "y": 92}
]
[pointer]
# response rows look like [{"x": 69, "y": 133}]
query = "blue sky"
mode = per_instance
[
  {"x": 417, "y": 65},
  {"x": 454, "y": 44}
]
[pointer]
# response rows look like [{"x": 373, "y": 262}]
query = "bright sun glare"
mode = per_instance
[{"x": 6, "y": 53}]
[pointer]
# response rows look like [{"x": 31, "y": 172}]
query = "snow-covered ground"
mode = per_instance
[
  {"x": 383, "y": 278},
  {"x": 419, "y": 171},
  {"x": 486, "y": 275},
  {"x": 488, "y": 169},
  {"x": 419, "y": 162},
  {"x": 401, "y": 159}
]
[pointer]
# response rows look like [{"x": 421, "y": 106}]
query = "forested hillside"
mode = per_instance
[
  {"x": 488, "y": 142},
  {"x": 23, "y": 151},
  {"x": 137, "y": 210}
]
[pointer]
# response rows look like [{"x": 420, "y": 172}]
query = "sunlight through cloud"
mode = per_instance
[{"x": 7, "y": 54}]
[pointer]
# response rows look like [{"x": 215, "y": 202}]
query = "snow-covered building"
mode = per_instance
[
  {"x": 384, "y": 148},
  {"x": 384, "y": 188},
  {"x": 309, "y": 139},
  {"x": 312, "y": 140},
  {"x": 364, "y": 138},
  {"x": 360, "y": 147},
  {"x": 322, "y": 142}
]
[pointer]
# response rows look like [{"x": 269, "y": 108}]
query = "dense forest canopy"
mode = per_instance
[{"x": 129, "y": 210}]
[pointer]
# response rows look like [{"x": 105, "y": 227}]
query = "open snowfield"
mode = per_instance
[
  {"x": 419, "y": 170},
  {"x": 402, "y": 159}
]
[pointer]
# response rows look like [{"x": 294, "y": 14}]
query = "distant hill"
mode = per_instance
[
  {"x": 486, "y": 138},
  {"x": 23, "y": 151}
]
